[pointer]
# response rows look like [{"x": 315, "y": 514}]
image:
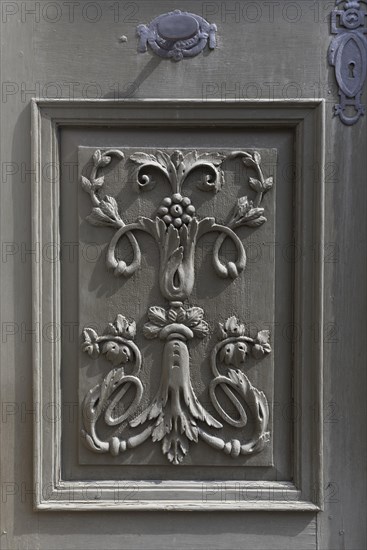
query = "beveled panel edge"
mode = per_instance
[
  {"x": 177, "y": 496},
  {"x": 47, "y": 116}
]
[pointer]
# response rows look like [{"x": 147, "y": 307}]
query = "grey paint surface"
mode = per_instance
[
  {"x": 103, "y": 294},
  {"x": 305, "y": 118},
  {"x": 289, "y": 59}
]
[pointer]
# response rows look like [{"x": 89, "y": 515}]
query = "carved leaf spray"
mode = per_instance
[{"x": 175, "y": 417}]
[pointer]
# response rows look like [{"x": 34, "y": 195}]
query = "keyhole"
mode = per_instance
[{"x": 351, "y": 68}]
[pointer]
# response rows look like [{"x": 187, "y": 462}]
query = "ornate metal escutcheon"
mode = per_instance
[
  {"x": 174, "y": 416},
  {"x": 177, "y": 35},
  {"x": 348, "y": 54}
]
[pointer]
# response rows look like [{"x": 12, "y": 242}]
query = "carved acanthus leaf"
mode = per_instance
[
  {"x": 143, "y": 158},
  {"x": 246, "y": 213},
  {"x": 191, "y": 317},
  {"x": 177, "y": 166},
  {"x": 194, "y": 315},
  {"x": 201, "y": 329},
  {"x": 157, "y": 315},
  {"x": 150, "y": 331}
]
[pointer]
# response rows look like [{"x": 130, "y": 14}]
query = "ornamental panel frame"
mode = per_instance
[{"x": 307, "y": 119}]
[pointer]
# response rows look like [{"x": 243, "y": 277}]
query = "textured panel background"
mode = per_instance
[
  {"x": 250, "y": 297},
  {"x": 283, "y": 47}
]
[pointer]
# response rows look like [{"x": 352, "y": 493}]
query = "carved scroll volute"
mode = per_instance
[{"x": 175, "y": 417}]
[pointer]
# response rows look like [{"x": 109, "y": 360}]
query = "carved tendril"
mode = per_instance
[
  {"x": 232, "y": 351},
  {"x": 117, "y": 345},
  {"x": 246, "y": 213},
  {"x": 95, "y": 182},
  {"x": 106, "y": 212},
  {"x": 177, "y": 210}
]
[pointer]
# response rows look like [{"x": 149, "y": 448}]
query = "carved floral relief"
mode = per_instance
[{"x": 175, "y": 418}]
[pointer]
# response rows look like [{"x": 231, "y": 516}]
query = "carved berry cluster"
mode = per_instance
[{"x": 176, "y": 210}]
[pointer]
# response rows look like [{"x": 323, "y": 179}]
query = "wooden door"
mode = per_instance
[{"x": 183, "y": 275}]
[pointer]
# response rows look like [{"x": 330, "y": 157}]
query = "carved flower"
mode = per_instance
[
  {"x": 231, "y": 328},
  {"x": 90, "y": 344},
  {"x": 116, "y": 353},
  {"x": 246, "y": 214},
  {"x": 262, "y": 346},
  {"x": 106, "y": 213},
  {"x": 176, "y": 210},
  {"x": 109, "y": 207},
  {"x": 157, "y": 320},
  {"x": 122, "y": 327},
  {"x": 244, "y": 206}
]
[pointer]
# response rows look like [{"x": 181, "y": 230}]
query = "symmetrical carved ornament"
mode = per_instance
[
  {"x": 175, "y": 417},
  {"x": 177, "y": 35},
  {"x": 348, "y": 54}
]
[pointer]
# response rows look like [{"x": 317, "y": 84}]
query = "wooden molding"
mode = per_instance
[{"x": 306, "y": 118}]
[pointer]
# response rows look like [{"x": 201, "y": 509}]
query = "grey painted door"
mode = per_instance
[{"x": 251, "y": 119}]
